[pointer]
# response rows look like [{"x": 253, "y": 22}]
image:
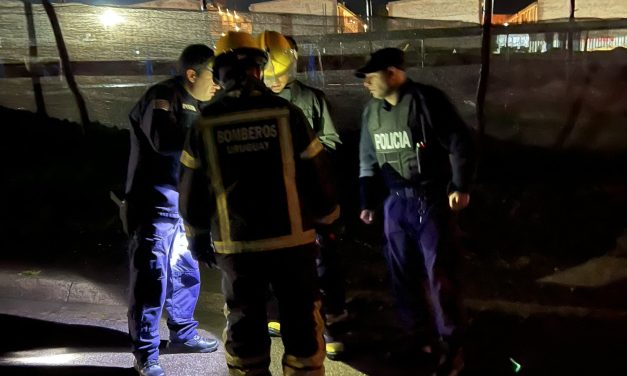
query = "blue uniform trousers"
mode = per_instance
[
  {"x": 422, "y": 264},
  {"x": 163, "y": 274}
]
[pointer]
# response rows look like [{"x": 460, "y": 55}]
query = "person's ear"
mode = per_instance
[{"x": 191, "y": 75}]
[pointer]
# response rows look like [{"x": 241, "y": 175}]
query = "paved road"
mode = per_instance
[{"x": 59, "y": 338}]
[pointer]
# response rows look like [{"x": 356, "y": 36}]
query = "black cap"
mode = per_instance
[{"x": 381, "y": 60}]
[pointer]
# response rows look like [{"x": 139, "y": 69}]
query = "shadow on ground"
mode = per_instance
[
  {"x": 66, "y": 371},
  {"x": 540, "y": 344},
  {"x": 40, "y": 334}
]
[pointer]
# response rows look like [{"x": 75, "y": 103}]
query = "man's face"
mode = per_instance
[
  {"x": 276, "y": 84},
  {"x": 201, "y": 84},
  {"x": 377, "y": 83}
]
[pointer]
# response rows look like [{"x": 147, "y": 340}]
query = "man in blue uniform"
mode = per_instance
[
  {"x": 254, "y": 184},
  {"x": 413, "y": 136},
  {"x": 163, "y": 271}
]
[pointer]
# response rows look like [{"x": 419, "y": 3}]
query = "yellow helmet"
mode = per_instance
[
  {"x": 237, "y": 50},
  {"x": 281, "y": 56},
  {"x": 235, "y": 40}
]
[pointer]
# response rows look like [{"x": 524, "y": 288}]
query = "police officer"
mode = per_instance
[
  {"x": 254, "y": 185},
  {"x": 280, "y": 76},
  {"x": 412, "y": 136},
  {"x": 163, "y": 271}
]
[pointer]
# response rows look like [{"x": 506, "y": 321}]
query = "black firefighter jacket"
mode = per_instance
[{"x": 255, "y": 176}]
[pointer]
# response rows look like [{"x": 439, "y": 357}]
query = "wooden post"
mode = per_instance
[
  {"x": 484, "y": 74},
  {"x": 65, "y": 63},
  {"x": 571, "y": 20},
  {"x": 33, "y": 52}
]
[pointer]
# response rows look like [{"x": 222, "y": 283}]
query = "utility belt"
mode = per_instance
[
  {"x": 407, "y": 192},
  {"x": 428, "y": 192}
]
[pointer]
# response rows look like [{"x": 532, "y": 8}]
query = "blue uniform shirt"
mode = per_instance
[{"x": 159, "y": 124}]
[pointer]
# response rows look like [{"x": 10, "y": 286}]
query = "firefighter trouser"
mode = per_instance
[
  {"x": 330, "y": 276},
  {"x": 421, "y": 262},
  {"x": 246, "y": 278},
  {"x": 163, "y": 275}
]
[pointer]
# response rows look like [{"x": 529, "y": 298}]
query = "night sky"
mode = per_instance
[{"x": 358, "y": 6}]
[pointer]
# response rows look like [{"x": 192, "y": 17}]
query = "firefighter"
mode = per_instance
[
  {"x": 253, "y": 186},
  {"x": 163, "y": 272},
  {"x": 414, "y": 138},
  {"x": 280, "y": 76}
]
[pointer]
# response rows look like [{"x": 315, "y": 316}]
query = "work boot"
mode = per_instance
[
  {"x": 194, "y": 345},
  {"x": 335, "y": 325},
  {"x": 150, "y": 368},
  {"x": 274, "y": 328},
  {"x": 334, "y": 347}
]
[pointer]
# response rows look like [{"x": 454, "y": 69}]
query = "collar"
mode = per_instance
[
  {"x": 402, "y": 91},
  {"x": 291, "y": 91}
]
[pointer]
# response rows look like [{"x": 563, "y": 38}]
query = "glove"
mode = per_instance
[
  {"x": 458, "y": 200},
  {"x": 202, "y": 249}
]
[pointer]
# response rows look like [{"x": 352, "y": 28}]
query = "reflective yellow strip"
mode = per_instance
[
  {"x": 289, "y": 175},
  {"x": 249, "y": 366},
  {"x": 188, "y": 161},
  {"x": 216, "y": 180},
  {"x": 287, "y": 241},
  {"x": 329, "y": 219},
  {"x": 314, "y": 148},
  {"x": 225, "y": 333},
  {"x": 298, "y": 236},
  {"x": 311, "y": 365},
  {"x": 243, "y": 364}
]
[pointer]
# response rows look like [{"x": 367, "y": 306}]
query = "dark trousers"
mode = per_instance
[
  {"x": 246, "y": 278},
  {"x": 422, "y": 264},
  {"x": 164, "y": 274},
  {"x": 330, "y": 276}
]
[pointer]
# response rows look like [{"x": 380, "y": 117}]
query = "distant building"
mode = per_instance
[
  {"x": 170, "y": 4},
  {"x": 347, "y": 20},
  {"x": 528, "y": 14},
  {"x": 308, "y": 7},
  {"x": 546, "y": 10},
  {"x": 443, "y": 10},
  {"x": 556, "y": 9}
]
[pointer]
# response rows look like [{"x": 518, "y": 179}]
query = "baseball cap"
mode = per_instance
[{"x": 381, "y": 60}]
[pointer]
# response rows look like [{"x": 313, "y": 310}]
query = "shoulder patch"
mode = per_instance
[
  {"x": 161, "y": 104},
  {"x": 189, "y": 107}
]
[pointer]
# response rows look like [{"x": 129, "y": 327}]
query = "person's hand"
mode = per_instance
[
  {"x": 207, "y": 258},
  {"x": 367, "y": 216},
  {"x": 458, "y": 200},
  {"x": 202, "y": 249}
]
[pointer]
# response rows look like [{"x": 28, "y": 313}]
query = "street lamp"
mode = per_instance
[{"x": 110, "y": 18}]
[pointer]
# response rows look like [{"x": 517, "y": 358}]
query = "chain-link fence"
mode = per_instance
[{"x": 540, "y": 93}]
